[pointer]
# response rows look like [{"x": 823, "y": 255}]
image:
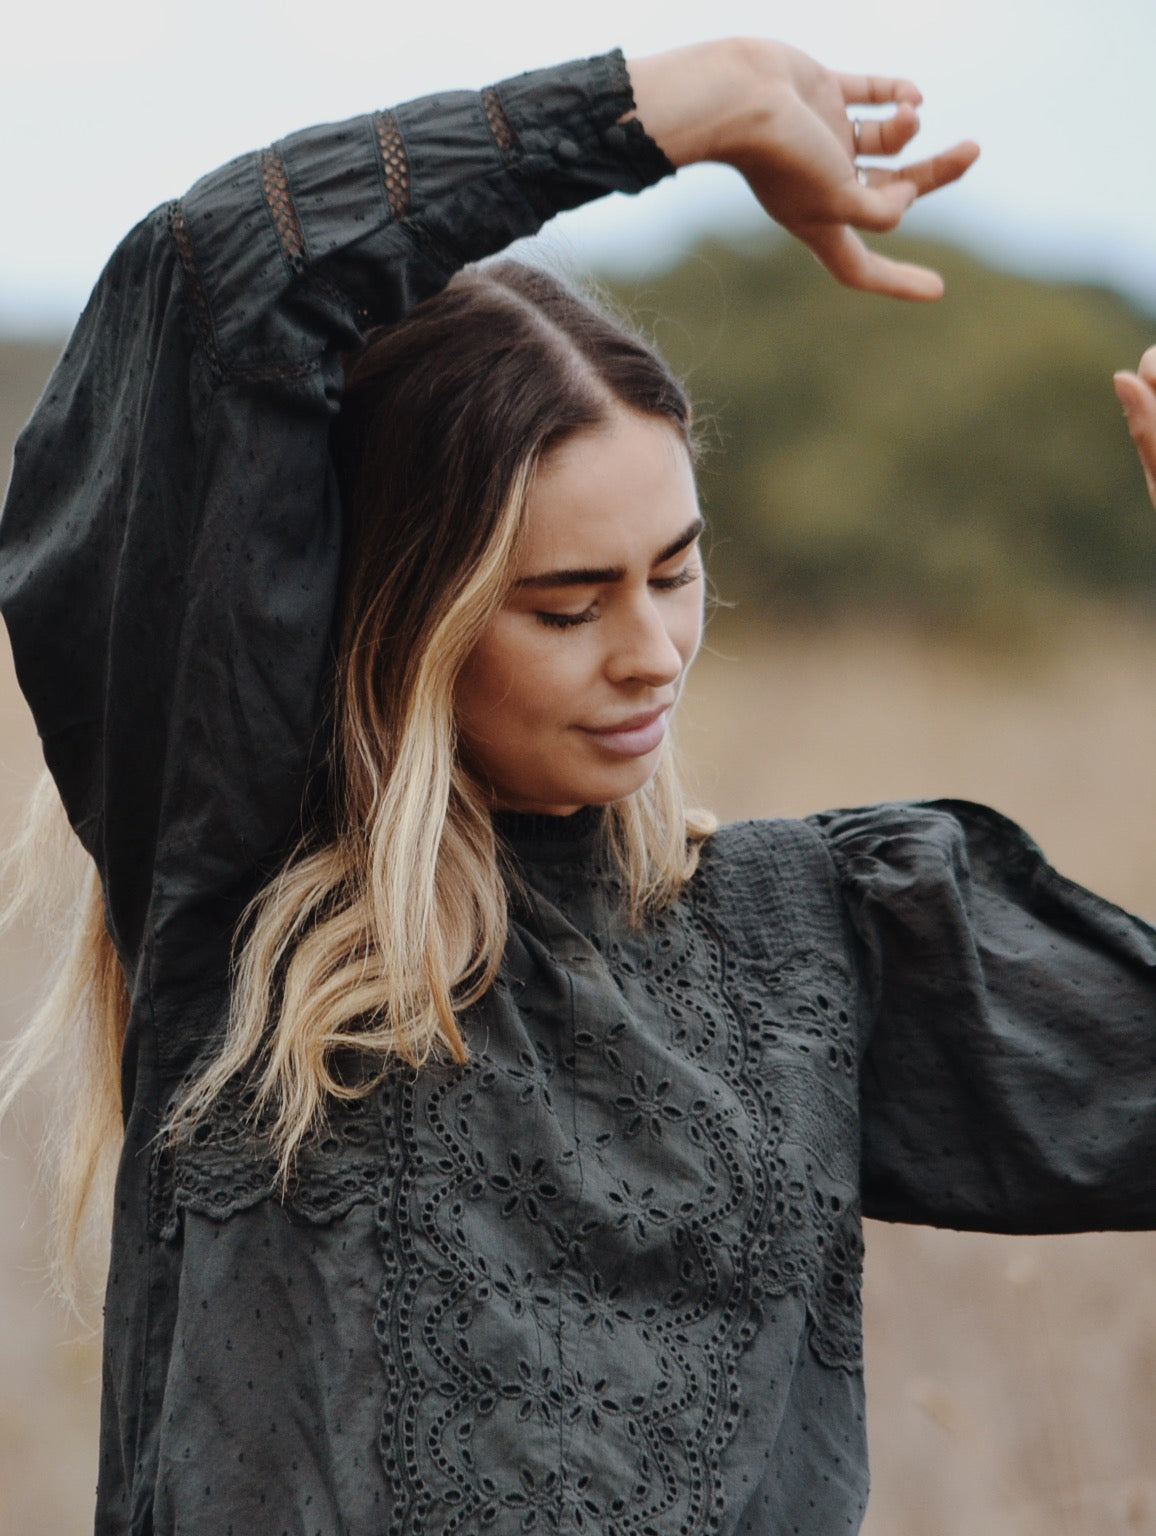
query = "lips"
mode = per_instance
[{"x": 633, "y": 737}]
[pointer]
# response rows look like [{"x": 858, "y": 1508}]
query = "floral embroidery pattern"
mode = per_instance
[
  {"x": 584, "y": 1229},
  {"x": 661, "y": 1175}
]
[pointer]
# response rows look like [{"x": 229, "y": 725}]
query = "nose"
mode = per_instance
[{"x": 643, "y": 649}]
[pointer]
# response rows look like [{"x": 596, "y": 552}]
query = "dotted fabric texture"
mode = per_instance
[{"x": 616, "y": 1259}]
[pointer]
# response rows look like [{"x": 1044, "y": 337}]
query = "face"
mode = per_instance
[{"x": 566, "y": 699}]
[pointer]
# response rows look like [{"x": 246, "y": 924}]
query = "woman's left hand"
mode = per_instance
[{"x": 1137, "y": 394}]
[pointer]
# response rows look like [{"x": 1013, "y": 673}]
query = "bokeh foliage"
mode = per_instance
[{"x": 964, "y": 462}]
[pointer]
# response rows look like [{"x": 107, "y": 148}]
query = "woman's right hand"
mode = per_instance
[
  {"x": 1137, "y": 394},
  {"x": 782, "y": 120}
]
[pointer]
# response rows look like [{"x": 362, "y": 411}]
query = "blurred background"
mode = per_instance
[{"x": 935, "y": 564}]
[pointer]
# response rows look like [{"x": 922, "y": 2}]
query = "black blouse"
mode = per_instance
[{"x": 605, "y": 1277}]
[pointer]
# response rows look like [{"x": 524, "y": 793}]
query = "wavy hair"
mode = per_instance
[{"x": 390, "y": 918}]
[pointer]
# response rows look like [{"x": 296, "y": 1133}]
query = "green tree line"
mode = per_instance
[{"x": 960, "y": 462}]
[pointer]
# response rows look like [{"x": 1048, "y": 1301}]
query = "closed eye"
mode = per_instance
[
  {"x": 681, "y": 578},
  {"x": 567, "y": 620}
]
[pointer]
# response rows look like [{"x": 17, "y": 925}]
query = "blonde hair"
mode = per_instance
[
  {"x": 81, "y": 1019},
  {"x": 390, "y": 919}
]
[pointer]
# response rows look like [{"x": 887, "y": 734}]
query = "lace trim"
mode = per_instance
[
  {"x": 225, "y": 1169},
  {"x": 394, "y": 163},
  {"x": 195, "y": 287},
  {"x": 275, "y": 182},
  {"x": 503, "y": 133}
]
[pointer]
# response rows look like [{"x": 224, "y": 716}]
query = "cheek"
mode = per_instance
[
  {"x": 686, "y": 628},
  {"x": 511, "y": 682}
]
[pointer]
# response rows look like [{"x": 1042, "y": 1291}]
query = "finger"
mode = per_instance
[
  {"x": 874, "y": 90},
  {"x": 884, "y": 136},
  {"x": 876, "y": 197},
  {"x": 1138, "y": 397},
  {"x": 935, "y": 172},
  {"x": 856, "y": 266},
  {"x": 1147, "y": 368}
]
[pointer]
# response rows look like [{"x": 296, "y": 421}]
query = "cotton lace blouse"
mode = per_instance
[{"x": 604, "y": 1278}]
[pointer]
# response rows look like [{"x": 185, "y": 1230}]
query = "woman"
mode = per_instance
[{"x": 522, "y": 1190}]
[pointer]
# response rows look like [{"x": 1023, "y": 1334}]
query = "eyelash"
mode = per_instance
[{"x": 588, "y": 615}]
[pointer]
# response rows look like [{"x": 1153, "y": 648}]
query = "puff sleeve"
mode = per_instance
[{"x": 1008, "y": 1080}]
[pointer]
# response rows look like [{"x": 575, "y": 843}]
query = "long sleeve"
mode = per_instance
[
  {"x": 1009, "y": 1074},
  {"x": 170, "y": 547}
]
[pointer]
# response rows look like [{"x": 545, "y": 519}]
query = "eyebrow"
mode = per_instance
[{"x": 599, "y": 576}]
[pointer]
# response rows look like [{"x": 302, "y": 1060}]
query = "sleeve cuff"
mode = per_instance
[{"x": 566, "y": 124}]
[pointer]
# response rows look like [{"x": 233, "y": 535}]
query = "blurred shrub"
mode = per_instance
[{"x": 963, "y": 462}]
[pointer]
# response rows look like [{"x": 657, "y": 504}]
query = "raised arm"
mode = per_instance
[
  {"x": 169, "y": 552},
  {"x": 170, "y": 549}
]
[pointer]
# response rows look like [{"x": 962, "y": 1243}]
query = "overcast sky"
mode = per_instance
[{"x": 108, "y": 107}]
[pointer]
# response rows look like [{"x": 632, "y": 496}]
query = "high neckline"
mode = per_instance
[{"x": 550, "y": 839}]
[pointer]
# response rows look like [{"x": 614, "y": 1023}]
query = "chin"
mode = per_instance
[
  {"x": 605, "y": 789},
  {"x": 599, "y": 785}
]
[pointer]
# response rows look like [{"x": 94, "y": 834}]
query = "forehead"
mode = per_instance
[{"x": 611, "y": 495}]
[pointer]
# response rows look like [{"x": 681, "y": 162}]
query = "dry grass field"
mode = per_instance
[{"x": 1012, "y": 1381}]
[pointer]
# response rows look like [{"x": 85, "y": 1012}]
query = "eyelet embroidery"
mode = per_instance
[
  {"x": 583, "y": 1231},
  {"x": 595, "y": 1285},
  {"x": 223, "y": 1170}
]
